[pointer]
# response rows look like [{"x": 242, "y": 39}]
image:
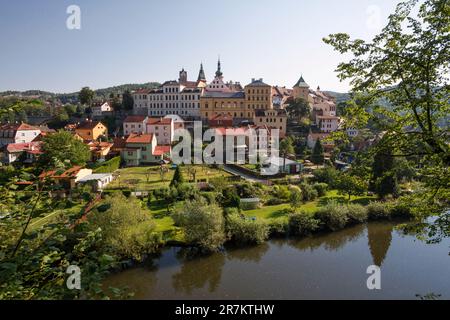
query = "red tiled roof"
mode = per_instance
[
  {"x": 21, "y": 147},
  {"x": 72, "y": 172},
  {"x": 160, "y": 150},
  {"x": 159, "y": 121},
  {"x": 135, "y": 119},
  {"x": 140, "y": 138}
]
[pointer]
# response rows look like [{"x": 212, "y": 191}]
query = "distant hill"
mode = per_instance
[
  {"x": 73, "y": 97},
  {"x": 340, "y": 97}
]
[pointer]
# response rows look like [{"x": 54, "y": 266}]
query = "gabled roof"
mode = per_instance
[
  {"x": 69, "y": 173},
  {"x": 161, "y": 150},
  {"x": 159, "y": 121},
  {"x": 257, "y": 83},
  {"x": 140, "y": 138},
  {"x": 89, "y": 125},
  {"x": 32, "y": 147}
]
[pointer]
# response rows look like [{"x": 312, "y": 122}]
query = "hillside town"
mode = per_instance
[{"x": 145, "y": 135}]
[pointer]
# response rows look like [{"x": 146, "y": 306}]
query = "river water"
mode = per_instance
[{"x": 328, "y": 266}]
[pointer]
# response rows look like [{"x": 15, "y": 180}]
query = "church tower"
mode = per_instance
[
  {"x": 201, "y": 74},
  {"x": 183, "y": 76},
  {"x": 301, "y": 89}
]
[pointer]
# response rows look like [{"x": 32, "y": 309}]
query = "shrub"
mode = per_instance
[
  {"x": 186, "y": 191},
  {"x": 333, "y": 216},
  {"x": 321, "y": 188},
  {"x": 278, "y": 227},
  {"x": 302, "y": 223},
  {"x": 275, "y": 201},
  {"x": 400, "y": 209},
  {"x": 203, "y": 224},
  {"x": 308, "y": 191},
  {"x": 356, "y": 213},
  {"x": 327, "y": 175},
  {"x": 109, "y": 166},
  {"x": 281, "y": 192},
  {"x": 244, "y": 231},
  {"x": 378, "y": 210}
]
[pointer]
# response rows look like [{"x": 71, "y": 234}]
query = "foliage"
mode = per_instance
[
  {"x": 378, "y": 210},
  {"x": 308, "y": 191},
  {"x": 86, "y": 96},
  {"x": 127, "y": 229},
  {"x": 245, "y": 231},
  {"x": 407, "y": 65},
  {"x": 321, "y": 188},
  {"x": 357, "y": 213},
  {"x": 298, "y": 109},
  {"x": 62, "y": 147},
  {"x": 127, "y": 100},
  {"x": 109, "y": 166},
  {"x": 328, "y": 175},
  {"x": 333, "y": 216},
  {"x": 351, "y": 185},
  {"x": 203, "y": 223},
  {"x": 177, "y": 177},
  {"x": 296, "y": 197},
  {"x": 317, "y": 156},
  {"x": 230, "y": 198},
  {"x": 302, "y": 224}
]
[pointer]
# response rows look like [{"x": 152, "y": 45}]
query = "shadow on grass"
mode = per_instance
[{"x": 344, "y": 200}]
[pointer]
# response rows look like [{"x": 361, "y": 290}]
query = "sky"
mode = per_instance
[{"x": 138, "y": 41}]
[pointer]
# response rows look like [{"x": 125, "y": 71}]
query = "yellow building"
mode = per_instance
[
  {"x": 258, "y": 95},
  {"x": 91, "y": 130},
  {"x": 301, "y": 90},
  {"x": 276, "y": 119},
  {"x": 214, "y": 103}
]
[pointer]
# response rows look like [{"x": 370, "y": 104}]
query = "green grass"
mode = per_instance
[
  {"x": 270, "y": 213},
  {"x": 54, "y": 215},
  {"x": 149, "y": 178}
]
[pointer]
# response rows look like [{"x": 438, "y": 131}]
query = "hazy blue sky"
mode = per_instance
[{"x": 138, "y": 41}]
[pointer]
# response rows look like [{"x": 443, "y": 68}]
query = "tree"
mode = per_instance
[
  {"x": 127, "y": 100},
  {"x": 192, "y": 170},
  {"x": 127, "y": 230},
  {"x": 296, "y": 197},
  {"x": 163, "y": 172},
  {"x": 286, "y": 148},
  {"x": 317, "y": 156},
  {"x": 384, "y": 178},
  {"x": 177, "y": 177},
  {"x": 351, "y": 185},
  {"x": 203, "y": 224},
  {"x": 86, "y": 96},
  {"x": 407, "y": 66},
  {"x": 63, "y": 147},
  {"x": 298, "y": 109}
]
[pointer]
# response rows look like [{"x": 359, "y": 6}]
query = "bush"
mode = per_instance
[
  {"x": 399, "y": 209},
  {"x": 378, "y": 211},
  {"x": 281, "y": 192},
  {"x": 308, "y": 192},
  {"x": 186, "y": 191},
  {"x": 274, "y": 201},
  {"x": 327, "y": 175},
  {"x": 244, "y": 231},
  {"x": 321, "y": 188},
  {"x": 302, "y": 223},
  {"x": 356, "y": 213},
  {"x": 333, "y": 216},
  {"x": 109, "y": 166},
  {"x": 278, "y": 227}
]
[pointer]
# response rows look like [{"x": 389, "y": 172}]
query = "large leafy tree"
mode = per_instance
[
  {"x": 63, "y": 147},
  {"x": 351, "y": 185},
  {"x": 407, "y": 65},
  {"x": 86, "y": 96},
  {"x": 298, "y": 109}
]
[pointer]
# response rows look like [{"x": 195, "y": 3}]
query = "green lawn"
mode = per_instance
[
  {"x": 54, "y": 215},
  {"x": 278, "y": 212},
  {"x": 149, "y": 178}
]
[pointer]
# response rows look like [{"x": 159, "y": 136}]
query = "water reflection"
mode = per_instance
[
  {"x": 198, "y": 271},
  {"x": 379, "y": 236},
  {"x": 248, "y": 254},
  {"x": 329, "y": 241}
]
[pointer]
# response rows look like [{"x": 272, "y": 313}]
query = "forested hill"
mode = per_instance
[{"x": 73, "y": 97}]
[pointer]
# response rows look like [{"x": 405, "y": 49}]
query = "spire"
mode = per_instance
[
  {"x": 301, "y": 83},
  {"x": 201, "y": 74},
  {"x": 218, "y": 72}
]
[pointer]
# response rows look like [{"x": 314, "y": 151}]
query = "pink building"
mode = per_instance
[{"x": 162, "y": 128}]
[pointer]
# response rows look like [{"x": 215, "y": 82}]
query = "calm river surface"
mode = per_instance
[{"x": 330, "y": 266}]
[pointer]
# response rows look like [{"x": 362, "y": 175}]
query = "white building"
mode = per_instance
[
  {"x": 100, "y": 109},
  {"x": 134, "y": 124},
  {"x": 180, "y": 97},
  {"x": 17, "y": 133},
  {"x": 162, "y": 128},
  {"x": 98, "y": 180}
]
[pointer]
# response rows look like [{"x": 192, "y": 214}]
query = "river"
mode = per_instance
[{"x": 328, "y": 266}]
